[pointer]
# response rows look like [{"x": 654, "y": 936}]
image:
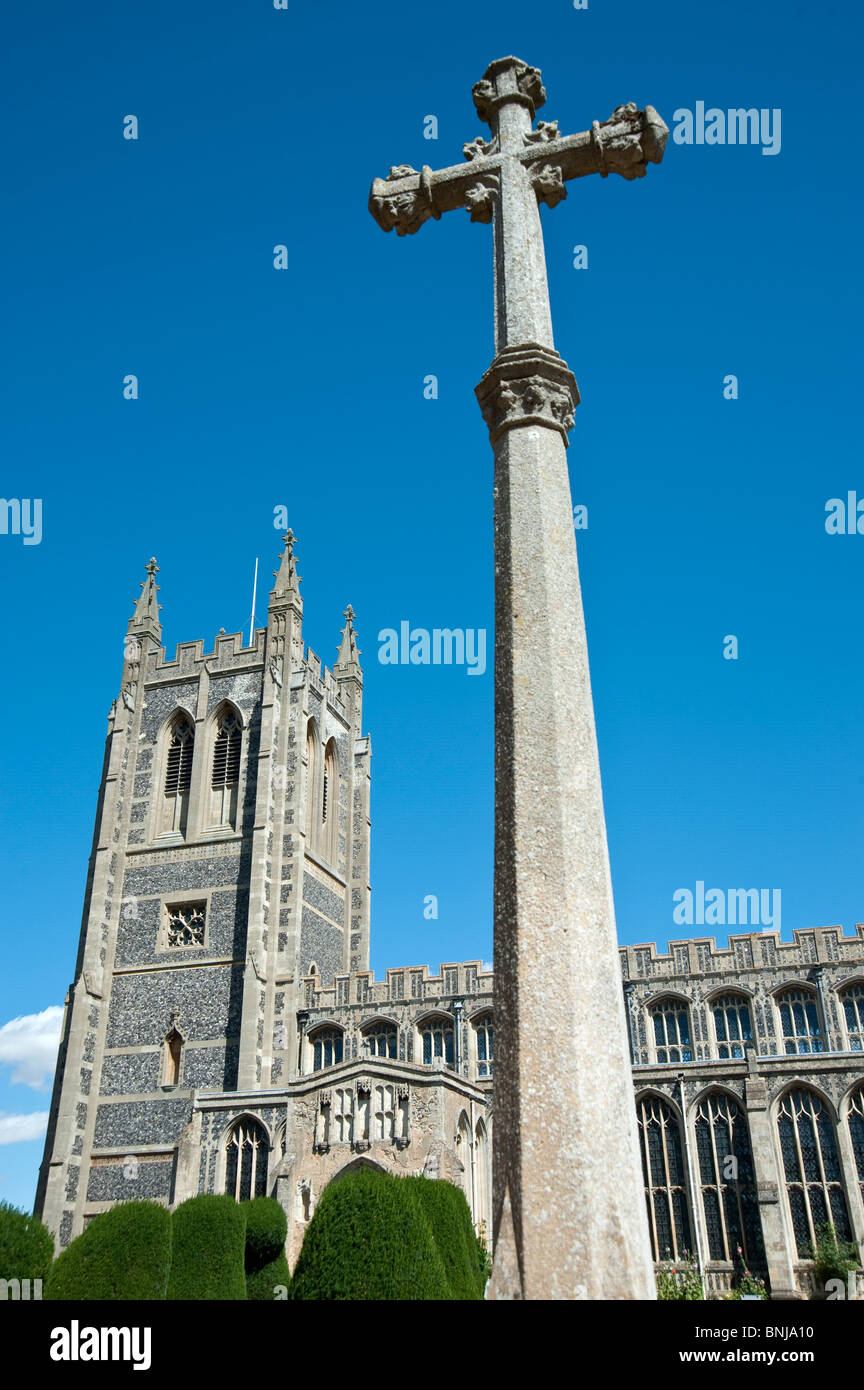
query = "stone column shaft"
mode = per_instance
[{"x": 563, "y": 1090}]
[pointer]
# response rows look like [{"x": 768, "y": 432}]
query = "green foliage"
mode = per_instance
[
  {"x": 370, "y": 1239},
  {"x": 209, "y": 1248},
  {"x": 681, "y": 1282},
  {"x": 123, "y": 1254},
  {"x": 266, "y": 1229},
  {"x": 449, "y": 1218},
  {"x": 749, "y": 1285},
  {"x": 26, "y": 1246},
  {"x": 266, "y": 1265},
  {"x": 832, "y": 1259},
  {"x": 263, "y": 1283},
  {"x": 484, "y": 1254}
]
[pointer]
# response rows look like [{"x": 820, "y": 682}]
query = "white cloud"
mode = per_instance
[
  {"x": 14, "y": 1129},
  {"x": 29, "y": 1045}
]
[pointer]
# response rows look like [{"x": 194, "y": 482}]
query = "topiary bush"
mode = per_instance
[
  {"x": 266, "y": 1229},
  {"x": 26, "y": 1246},
  {"x": 263, "y": 1283},
  {"x": 208, "y": 1256},
  {"x": 369, "y": 1239},
  {"x": 266, "y": 1265},
  {"x": 123, "y": 1254},
  {"x": 449, "y": 1218}
]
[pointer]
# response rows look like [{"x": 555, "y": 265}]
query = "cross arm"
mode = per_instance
[
  {"x": 406, "y": 199},
  {"x": 625, "y": 144}
]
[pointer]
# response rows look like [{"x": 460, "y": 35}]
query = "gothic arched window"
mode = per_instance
[
  {"x": 248, "y": 1152},
  {"x": 178, "y": 774},
  {"x": 799, "y": 1021},
  {"x": 311, "y": 782},
  {"x": 853, "y": 1014},
  {"x": 855, "y": 1115},
  {"x": 437, "y": 1035},
  {"x": 671, "y": 1031},
  {"x": 329, "y": 802},
  {"x": 811, "y": 1164},
  {"x": 733, "y": 1026},
  {"x": 225, "y": 776},
  {"x": 327, "y": 1047},
  {"x": 729, "y": 1198},
  {"x": 380, "y": 1040},
  {"x": 665, "y": 1178},
  {"x": 485, "y": 1033}
]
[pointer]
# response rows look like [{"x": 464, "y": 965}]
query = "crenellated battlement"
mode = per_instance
[
  {"x": 404, "y": 985},
  {"x": 746, "y": 951}
]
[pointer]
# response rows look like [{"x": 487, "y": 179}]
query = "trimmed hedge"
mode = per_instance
[
  {"x": 266, "y": 1229},
  {"x": 266, "y": 1265},
  {"x": 262, "y": 1284},
  {"x": 26, "y": 1246},
  {"x": 123, "y": 1254},
  {"x": 369, "y": 1239},
  {"x": 449, "y": 1217},
  {"x": 209, "y": 1239}
]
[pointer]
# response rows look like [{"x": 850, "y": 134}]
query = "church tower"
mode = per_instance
[{"x": 230, "y": 860}]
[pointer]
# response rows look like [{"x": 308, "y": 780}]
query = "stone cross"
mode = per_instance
[{"x": 569, "y": 1216}]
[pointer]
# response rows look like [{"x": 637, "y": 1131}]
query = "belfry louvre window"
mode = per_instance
[
  {"x": 811, "y": 1164},
  {"x": 799, "y": 1021},
  {"x": 856, "y": 1133},
  {"x": 732, "y": 1024},
  {"x": 665, "y": 1178},
  {"x": 225, "y": 776},
  {"x": 178, "y": 775},
  {"x": 186, "y": 924},
  {"x": 671, "y": 1031},
  {"x": 853, "y": 1013},
  {"x": 247, "y": 1158},
  {"x": 729, "y": 1197}
]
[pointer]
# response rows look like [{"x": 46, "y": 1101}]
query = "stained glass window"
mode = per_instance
[
  {"x": 811, "y": 1166},
  {"x": 437, "y": 1042},
  {"x": 671, "y": 1031},
  {"x": 799, "y": 1021},
  {"x": 380, "y": 1041},
  {"x": 665, "y": 1178},
  {"x": 726, "y": 1175},
  {"x": 327, "y": 1048},
  {"x": 853, "y": 1013},
  {"x": 733, "y": 1026},
  {"x": 485, "y": 1045},
  {"x": 246, "y": 1165}
]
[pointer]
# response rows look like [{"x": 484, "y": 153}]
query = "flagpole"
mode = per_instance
[{"x": 254, "y": 592}]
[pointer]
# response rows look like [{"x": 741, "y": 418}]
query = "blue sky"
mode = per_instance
[{"x": 304, "y": 387}]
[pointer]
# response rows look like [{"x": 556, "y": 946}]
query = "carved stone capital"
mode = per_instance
[
  {"x": 508, "y": 79},
  {"x": 528, "y": 385}
]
